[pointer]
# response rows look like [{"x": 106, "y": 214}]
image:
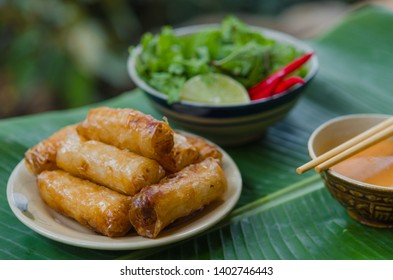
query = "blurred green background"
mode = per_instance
[{"x": 63, "y": 54}]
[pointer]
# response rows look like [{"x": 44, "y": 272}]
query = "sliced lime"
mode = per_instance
[{"x": 214, "y": 89}]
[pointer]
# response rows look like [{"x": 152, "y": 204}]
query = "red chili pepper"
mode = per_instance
[
  {"x": 266, "y": 87},
  {"x": 288, "y": 83}
]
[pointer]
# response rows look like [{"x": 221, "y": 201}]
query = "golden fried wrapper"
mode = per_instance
[
  {"x": 182, "y": 155},
  {"x": 204, "y": 148},
  {"x": 42, "y": 156},
  {"x": 120, "y": 170},
  {"x": 96, "y": 207},
  {"x": 128, "y": 129},
  {"x": 176, "y": 196}
]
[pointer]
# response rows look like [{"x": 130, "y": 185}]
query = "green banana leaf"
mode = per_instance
[{"x": 280, "y": 215}]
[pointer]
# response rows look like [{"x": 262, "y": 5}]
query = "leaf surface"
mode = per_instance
[{"x": 280, "y": 214}]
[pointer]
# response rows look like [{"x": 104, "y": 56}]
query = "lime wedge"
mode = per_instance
[{"x": 214, "y": 89}]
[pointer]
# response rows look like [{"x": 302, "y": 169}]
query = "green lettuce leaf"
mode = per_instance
[{"x": 167, "y": 61}]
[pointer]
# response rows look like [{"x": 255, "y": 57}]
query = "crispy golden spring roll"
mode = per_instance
[
  {"x": 96, "y": 207},
  {"x": 43, "y": 155},
  {"x": 177, "y": 195},
  {"x": 204, "y": 148},
  {"x": 120, "y": 170},
  {"x": 182, "y": 155},
  {"x": 128, "y": 129}
]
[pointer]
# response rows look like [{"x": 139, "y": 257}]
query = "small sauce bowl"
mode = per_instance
[{"x": 369, "y": 204}]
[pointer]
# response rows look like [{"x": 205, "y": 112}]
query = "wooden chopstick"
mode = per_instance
[
  {"x": 369, "y": 137},
  {"x": 378, "y": 137}
]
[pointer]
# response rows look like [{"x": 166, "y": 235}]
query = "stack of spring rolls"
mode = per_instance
[{"x": 120, "y": 168}]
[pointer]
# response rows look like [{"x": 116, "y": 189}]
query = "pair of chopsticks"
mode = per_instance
[{"x": 351, "y": 147}]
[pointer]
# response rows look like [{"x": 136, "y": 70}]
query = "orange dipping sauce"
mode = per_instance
[{"x": 373, "y": 165}]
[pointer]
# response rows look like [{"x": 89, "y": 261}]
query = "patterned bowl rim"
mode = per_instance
[
  {"x": 336, "y": 174},
  {"x": 269, "y": 33}
]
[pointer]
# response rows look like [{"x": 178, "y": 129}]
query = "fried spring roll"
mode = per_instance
[
  {"x": 177, "y": 195},
  {"x": 96, "y": 207},
  {"x": 204, "y": 148},
  {"x": 43, "y": 155},
  {"x": 119, "y": 170},
  {"x": 182, "y": 155},
  {"x": 128, "y": 129}
]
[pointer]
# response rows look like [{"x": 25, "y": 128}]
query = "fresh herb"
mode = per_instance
[{"x": 167, "y": 61}]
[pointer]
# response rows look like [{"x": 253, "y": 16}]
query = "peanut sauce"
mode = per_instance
[{"x": 373, "y": 165}]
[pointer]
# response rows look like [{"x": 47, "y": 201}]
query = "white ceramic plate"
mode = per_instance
[{"x": 27, "y": 205}]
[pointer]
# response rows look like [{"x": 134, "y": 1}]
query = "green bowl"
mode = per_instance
[{"x": 369, "y": 204}]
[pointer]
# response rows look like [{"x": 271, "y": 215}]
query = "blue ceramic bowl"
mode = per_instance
[{"x": 228, "y": 125}]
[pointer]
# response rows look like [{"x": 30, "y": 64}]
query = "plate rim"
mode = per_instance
[{"x": 141, "y": 242}]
